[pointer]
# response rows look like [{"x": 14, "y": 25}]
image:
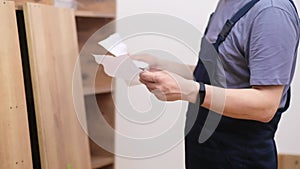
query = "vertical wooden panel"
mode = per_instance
[
  {"x": 288, "y": 162},
  {"x": 53, "y": 50},
  {"x": 15, "y": 142}
]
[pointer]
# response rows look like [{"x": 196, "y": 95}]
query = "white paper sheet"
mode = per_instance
[
  {"x": 121, "y": 67},
  {"x": 114, "y": 45}
]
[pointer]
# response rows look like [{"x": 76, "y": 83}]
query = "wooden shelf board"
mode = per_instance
[
  {"x": 100, "y": 161},
  {"x": 94, "y": 14},
  {"x": 288, "y": 161}
]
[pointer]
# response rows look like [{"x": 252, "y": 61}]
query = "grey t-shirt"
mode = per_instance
[{"x": 262, "y": 47}]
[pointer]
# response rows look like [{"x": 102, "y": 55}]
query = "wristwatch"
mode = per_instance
[{"x": 202, "y": 92}]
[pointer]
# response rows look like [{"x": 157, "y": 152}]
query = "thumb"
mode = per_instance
[{"x": 148, "y": 76}]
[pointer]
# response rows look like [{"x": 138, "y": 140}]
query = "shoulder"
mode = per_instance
[
  {"x": 274, "y": 13},
  {"x": 271, "y": 6}
]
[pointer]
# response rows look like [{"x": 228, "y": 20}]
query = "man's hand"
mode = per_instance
[{"x": 168, "y": 86}]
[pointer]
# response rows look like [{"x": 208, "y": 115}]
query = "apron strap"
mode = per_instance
[{"x": 231, "y": 22}]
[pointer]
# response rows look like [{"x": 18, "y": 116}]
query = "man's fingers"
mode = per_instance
[
  {"x": 154, "y": 69},
  {"x": 160, "y": 95},
  {"x": 149, "y": 77},
  {"x": 150, "y": 86}
]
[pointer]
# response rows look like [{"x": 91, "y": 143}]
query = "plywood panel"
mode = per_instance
[
  {"x": 15, "y": 142},
  {"x": 288, "y": 161},
  {"x": 53, "y": 50}
]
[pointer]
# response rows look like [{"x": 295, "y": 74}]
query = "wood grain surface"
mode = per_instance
[
  {"x": 15, "y": 151},
  {"x": 53, "y": 51},
  {"x": 286, "y": 161}
]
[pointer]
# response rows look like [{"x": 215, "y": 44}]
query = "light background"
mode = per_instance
[{"x": 197, "y": 13}]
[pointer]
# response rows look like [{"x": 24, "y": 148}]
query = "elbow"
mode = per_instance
[
  {"x": 266, "y": 114},
  {"x": 266, "y": 118}
]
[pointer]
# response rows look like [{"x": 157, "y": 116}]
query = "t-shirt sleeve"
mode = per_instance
[{"x": 272, "y": 45}]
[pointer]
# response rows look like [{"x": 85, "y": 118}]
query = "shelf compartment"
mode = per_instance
[
  {"x": 100, "y": 161},
  {"x": 93, "y": 75},
  {"x": 100, "y": 157}
]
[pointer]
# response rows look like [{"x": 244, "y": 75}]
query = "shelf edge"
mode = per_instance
[{"x": 94, "y": 14}]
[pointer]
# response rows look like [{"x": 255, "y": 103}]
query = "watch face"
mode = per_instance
[{"x": 202, "y": 87}]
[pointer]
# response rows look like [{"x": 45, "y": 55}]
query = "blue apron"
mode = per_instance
[{"x": 235, "y": 143}]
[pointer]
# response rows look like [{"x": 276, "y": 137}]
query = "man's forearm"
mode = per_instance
[{"x": 258, "y": 104}]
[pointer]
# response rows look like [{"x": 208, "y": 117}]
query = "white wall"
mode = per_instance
[{"x": 196, "y": 13}]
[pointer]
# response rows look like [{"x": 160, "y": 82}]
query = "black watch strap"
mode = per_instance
[{"x": 202, "y": 92}]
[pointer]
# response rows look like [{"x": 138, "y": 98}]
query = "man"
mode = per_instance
[{"x": 258, "y": 51}]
